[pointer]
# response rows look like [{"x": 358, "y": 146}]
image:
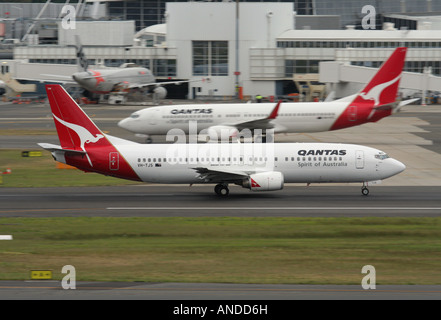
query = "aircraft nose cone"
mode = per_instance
[
  {"x": 77, "y": 78},
  {"x": 123, "y": 123},
  {"x": 400, "y": 167},
  {"x": 80, "y": 77},
  {"x": 394, "y": 167}
]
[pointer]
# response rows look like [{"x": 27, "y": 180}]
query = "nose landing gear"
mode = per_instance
[{"x": 364, "y": 189}]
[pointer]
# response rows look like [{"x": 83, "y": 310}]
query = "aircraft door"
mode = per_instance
[
  {"x": 359, "y": 159},
  {"x": 113, "y": 161},
  {"x": 352, "y": 113}
]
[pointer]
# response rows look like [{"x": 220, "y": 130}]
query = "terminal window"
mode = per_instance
[{"x": 210, "y": 58}]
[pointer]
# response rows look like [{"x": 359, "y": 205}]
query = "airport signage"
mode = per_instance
[
  {"x": 26, "y": 154},
  {"x": 41, "y": 274}
]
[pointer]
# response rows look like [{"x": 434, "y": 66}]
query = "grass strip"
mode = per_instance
[{"x": 228, "y": 250}]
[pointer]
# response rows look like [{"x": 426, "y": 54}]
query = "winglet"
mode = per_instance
[{"x": 274, "y": 113}]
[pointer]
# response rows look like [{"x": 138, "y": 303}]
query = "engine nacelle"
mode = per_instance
[
  {"x": 265, "y": 181},
  {"x": 160, "y": 92},
  {"x": 222, "y": 132}
]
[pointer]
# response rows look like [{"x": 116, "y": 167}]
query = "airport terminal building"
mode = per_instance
[{"x": 244, "y": 49}]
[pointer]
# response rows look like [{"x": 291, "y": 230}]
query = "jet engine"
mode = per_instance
[
  {"x": 160, "y": 92},
  {"x": 264, "y": 181}
]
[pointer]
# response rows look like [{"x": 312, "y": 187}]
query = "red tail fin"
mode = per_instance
[
  {"x": 78, "y": 133},
  {"x": 377, "y": 97},
  {"x": 74, "y": 127},
  {"x": 383, "y": 87}
]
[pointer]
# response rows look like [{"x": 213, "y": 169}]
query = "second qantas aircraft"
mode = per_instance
[
  {"x": 376, "y": 101},
  {"x": 256, "y": 166}
]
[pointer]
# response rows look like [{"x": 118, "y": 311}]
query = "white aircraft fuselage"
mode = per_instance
[
  {"x": 292, "y": 117},
  {"x": 378, "y": 99},
  {"x": 103, "y": 81},
  {"x": 297, "y": 162}
]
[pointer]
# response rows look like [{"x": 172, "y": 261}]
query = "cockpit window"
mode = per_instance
[
  {"x": 381, "y": 156},
  {"x": 134, "y": 115}
]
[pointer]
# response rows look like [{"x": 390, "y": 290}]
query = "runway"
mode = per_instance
[
  {"x": 200, "y": 201},
  {"x": 204, "y": 294}
]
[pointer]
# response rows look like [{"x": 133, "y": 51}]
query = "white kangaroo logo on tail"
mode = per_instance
[
  {"x": 84, "y": 135},
  {"x": 375, "y": 92}
]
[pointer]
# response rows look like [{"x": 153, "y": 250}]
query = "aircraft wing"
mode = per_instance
[
  {"x": 158, "y": 84},
  {"x": 221, "y": 175},
  {"x": 262, "y": 123},
  {"x": 51, "y": 78}
]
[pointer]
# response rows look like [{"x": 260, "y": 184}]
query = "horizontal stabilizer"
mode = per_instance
[
  {"x": 406, "y": 102},
  {"x": 346, "y": 99},
  {"x": 53, "y": 147}
]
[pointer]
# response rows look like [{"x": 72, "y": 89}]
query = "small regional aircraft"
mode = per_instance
[
  {"x": 256, "y": 166},
  {"x": 376, "y": 101}
]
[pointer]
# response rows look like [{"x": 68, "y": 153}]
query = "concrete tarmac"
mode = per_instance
[
  {"x": 412, "y": 136},
  {"x": 200, "y": 292},
  {"x": 200, "y": 201}
]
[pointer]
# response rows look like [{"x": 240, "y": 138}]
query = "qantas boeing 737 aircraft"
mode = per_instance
[
  {"x": 376, "y": 101},
  {"x": 256, "y": 166}
]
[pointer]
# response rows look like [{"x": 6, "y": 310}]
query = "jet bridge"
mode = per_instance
[
  {"x": 13, "y": 87},
  {"x": 309, "y": 86},
  {"x": 345, "y": 79},
  {"x": 13, "y": 70}
]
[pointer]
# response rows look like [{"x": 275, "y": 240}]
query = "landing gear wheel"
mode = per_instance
[
  {"x": 221, "y": 190},
  {"x": 364, "y": 191},
  {"x": 149, "y": 140}
]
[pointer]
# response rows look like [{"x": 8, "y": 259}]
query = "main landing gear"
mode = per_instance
[{"x": 222, "y": 189}]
